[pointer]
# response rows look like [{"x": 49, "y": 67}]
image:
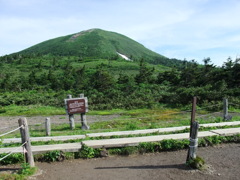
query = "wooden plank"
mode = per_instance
[
  {"x": 122, "y": 142},
  {"x": 227, "y": 132},
  {"x": 49, "y": 138},
  {"x": 68, "y": 147},
  {"x": 233, "y": 123},
  {"x": 118, "y": 133}
]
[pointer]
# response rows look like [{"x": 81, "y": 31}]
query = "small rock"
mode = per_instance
[{"x": 104, "y": 152}]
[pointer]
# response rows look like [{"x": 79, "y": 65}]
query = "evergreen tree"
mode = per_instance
[{"x": 145, "y": 74}]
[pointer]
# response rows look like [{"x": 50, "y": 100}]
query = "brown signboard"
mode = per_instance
[{"x": 76, "y": 106}]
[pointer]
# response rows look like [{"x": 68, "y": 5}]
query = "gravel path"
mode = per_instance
[
  {"x": 223, "y": 162},
  {"x": 7, "y": 122}
]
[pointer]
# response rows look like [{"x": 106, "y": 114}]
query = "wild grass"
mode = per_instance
[
  {"x": 137, "y": 119},
  {"x": 32, "y": 110}
]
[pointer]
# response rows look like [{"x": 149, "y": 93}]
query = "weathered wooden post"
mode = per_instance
[
  {"x": 71, "y": 116},
  {"x": 193, "y": 114},
  {"x": 193, "y": 141},
  {"x": 226, "y": 116},
  {"x": 48, "y": 126},
  {"x": 225, "y": 108},
  {"x": 26, "y": 139},
  {"x": 83, "y": 115}
]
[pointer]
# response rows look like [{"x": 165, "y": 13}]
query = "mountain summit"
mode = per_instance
[{"x": 96, "y": 43}]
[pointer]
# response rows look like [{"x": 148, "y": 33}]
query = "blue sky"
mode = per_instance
[{"x": 191, "y": 29}]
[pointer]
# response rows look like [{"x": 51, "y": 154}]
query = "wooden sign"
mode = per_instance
[{"x": 76, "y": 105}]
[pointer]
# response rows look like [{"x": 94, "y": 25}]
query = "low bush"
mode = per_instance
[{"x": 196, "y": 163}]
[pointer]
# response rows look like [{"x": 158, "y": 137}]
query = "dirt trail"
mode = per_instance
[
  {"x": 7, "y": 122},
  {"x": 223, "y": 163}
]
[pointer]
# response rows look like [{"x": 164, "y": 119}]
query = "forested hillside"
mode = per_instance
[
  {"x": 88, "y": 62},
  {"x": 114, "y": 83}
]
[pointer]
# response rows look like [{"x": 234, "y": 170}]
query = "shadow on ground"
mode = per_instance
[{"x": 174, "y": 166}]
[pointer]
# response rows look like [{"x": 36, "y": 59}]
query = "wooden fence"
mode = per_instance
[{"x": 26, "y": 143}]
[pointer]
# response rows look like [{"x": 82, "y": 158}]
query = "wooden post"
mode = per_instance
[
  {"x": 193, "y": 114},
  {"x": 83, "y": 115},
  {"x": 48, "y": 126},
  {"x": 193, "y": 141},
  {"x": 84, "y": 122},
  {"x": 25, "y": 138},
  {"x": 71, "y": 116},
  {"x": 225, "y": 108},
  {"x": 226, "y": 116}
]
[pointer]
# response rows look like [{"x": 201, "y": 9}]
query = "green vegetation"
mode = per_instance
[
  {"x": 87, "y": 152},
  {"x": 87, "y": 63},
  {"x": 114, "y": 84},
  {"x": 12, "y": 159},
  {"x": 21, "y": 174},
  {"x": 152, "y": 91},
  {"x": 196, "y": 163},
  {"x": 136, "y": 119},
  {"x": 31, "y": 110},
  {"x": 96, "y": 43}
]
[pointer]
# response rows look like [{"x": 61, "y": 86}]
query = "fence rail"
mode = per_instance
[
  {"x": 26, "y": 144},
  {"x": 17, "y": 147},
  {"x": 12, "y": 151}
]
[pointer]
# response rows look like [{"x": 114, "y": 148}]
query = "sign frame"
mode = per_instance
[{"x": 76, "y": 105}]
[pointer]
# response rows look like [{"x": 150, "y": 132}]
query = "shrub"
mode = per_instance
[
  {"x": 149, "y": 147},
  {"x": 87, "y": 152},
  {"x": 196, "y": 163},
  {"x": 12, "y": 159},
  {"x": 51, "y": 156}
]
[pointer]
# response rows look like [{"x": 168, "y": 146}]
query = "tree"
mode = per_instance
[
  {"x": 126, "y": 83},
  {"x": 172, "y": 76},
  {"x": 80, "y": 78},
  {"x": 145, "y": 74},
  {"x": 32, "y": 79},
  {"x": 229, "y": 64},
  {"x": 102, "y": 80}
]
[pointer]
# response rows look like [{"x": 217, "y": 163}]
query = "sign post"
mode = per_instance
[
  {"x": 77, "y": 106},
  {"x": 83, "y": 115},
  {"x": 71, "y": 116}
]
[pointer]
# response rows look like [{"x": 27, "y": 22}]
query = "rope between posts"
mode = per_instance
[
  {"x": 11, "y": 131},
  {"x": 199, "y": 108},
  {"x": 8, "y": 127},
  {"x": 38, "y": 124},
  {"x": 207, "y": 114},
  {"x": 12, "y": 151},
  {"x": 234, "y": 104}
]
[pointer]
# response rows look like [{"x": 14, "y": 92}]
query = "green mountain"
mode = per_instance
[
  {"x": 88, "y": 62},
  {"x": 97, "y": 43}
]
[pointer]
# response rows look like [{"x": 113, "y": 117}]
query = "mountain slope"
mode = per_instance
[{"x": 96, "y": 43}]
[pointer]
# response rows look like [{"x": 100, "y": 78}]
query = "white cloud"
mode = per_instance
[{"x": 176, "y": 28}]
